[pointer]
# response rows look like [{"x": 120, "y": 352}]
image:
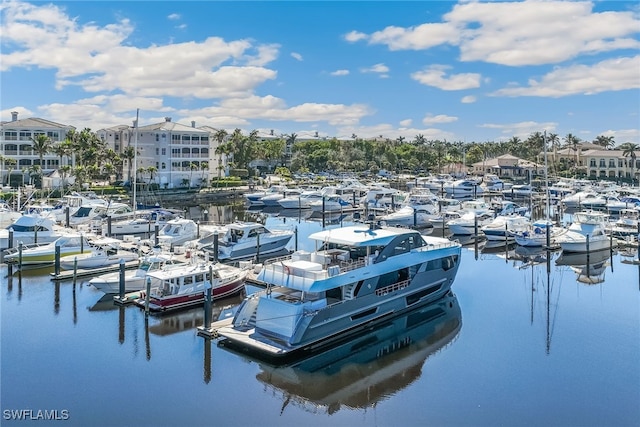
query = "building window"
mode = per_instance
[
  {"x": 164, "y": 151},
  {"x": 157, "y": 137},
  {"x": 620, "y": 163},
  {"x": 11, "y": 135},
  {"x": 54, "y": 136},
  {"x": 592, "y": 163},
  {"x": 602, "y": 163},
  {"x": 164, "y": 165},
  {"x": 612, "y": 163},
  {"x": 24, "y": 136}
]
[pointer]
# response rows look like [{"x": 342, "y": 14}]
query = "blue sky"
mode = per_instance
[{"x": 460, "y": 71}]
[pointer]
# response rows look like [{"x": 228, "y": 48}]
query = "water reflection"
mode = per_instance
[
  {"x": 590, "y": 267},
  {"x": 368, "y": 368}
]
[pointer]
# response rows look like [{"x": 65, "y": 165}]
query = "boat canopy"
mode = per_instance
[{"x": 359, "y": 236}]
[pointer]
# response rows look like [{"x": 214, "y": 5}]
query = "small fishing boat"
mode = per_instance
[
  {"x": 586, "y": 233},
  {"x": 29, "y": 229},
  {"x": 38, "y": 254},
  {"x": 109, "y": 283},
  {"x": 185, "y": 286},
  {"x": 104, "y": 252}
]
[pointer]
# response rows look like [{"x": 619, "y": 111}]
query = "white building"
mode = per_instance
[
  {"x": 182, "y": 155},
  {"x": 16, "y": 143}
]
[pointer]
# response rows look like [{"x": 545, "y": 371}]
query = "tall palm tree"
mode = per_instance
[
  {"x": 129, "y": 154},
  {"x": 573, "y": 142},
  {"x": 41, "y": 144},
  {"x": 629, "y": 149}
]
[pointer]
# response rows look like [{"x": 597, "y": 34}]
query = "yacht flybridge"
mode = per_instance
[{"x": 358, "y": 276}]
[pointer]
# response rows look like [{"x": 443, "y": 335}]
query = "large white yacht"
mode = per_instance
[{"x": 357, "y": 276}]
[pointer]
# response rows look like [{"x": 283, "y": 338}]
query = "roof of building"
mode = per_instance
[{"x": 34, "y": 122}]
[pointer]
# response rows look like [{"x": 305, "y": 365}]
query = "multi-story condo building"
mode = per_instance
[
  {"x": 598, "y": 163},
  {"x": 182, "y": 155},
  {"x": 16, "y": 143}
]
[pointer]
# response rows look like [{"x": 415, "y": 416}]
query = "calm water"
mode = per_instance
[{"x": 515, "y": 346}]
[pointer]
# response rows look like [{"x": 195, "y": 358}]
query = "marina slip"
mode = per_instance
[{"x": 481, "y": 334}]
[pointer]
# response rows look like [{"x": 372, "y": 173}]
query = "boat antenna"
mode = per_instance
[{"x": 135, "y": 158}]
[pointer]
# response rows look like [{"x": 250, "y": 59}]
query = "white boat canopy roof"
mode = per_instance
[{"x": 359, "y": 235}]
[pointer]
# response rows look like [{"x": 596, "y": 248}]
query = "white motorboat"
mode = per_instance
[
  {"x": 140, "y": 222},
  {"x": 503, "y": 227},
  {"x": 470, "y": 223},
  {"x": 109, "y": 283},
  {"x": 254, "y": 198},
  {"x": 7, "y": 215},
  {"x": 586, "y": 233},
  {"x": 330, "y": 204},
  {"x": 573, "y": 201},
  {"x": 463, "y": 188},
  {"x": 626, "y": 225},
  {"x": 185, "y": 286},
  {"x": 410, "y": 216},
  {"x": 535, "y": 235},
  {"x": 29, "y": 229},
  {"x": 72, "y": 202},
  {"x": 358, "y": 276},
  {"x": 38, "y": 254},
  {"x": 245, "y": 240},
  {"x": 302, "y": 200},
  {"x": 86, "y": 214},
  {"x": 104, "y": 252},
  {"x": 177, "y": 231},
  {"x": 273, "y": 199}
]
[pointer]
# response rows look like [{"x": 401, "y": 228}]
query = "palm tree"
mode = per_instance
[
  {"x": 204, "y": 166},
  {"x": 573, "y": 142},
  {"x": 629, "y": 150},
  {"x": 41, "y": 144},
  {"x": 192, "y": 167},
  {"x": 555, "y": 142},
  {"x": 129, "y": 154},
  {"x": 10, "y": 164},
  {"x": 604, "y": 141},
  {"x": 152, "y": 170}
]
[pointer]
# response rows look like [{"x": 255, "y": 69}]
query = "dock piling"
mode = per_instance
[
  {"x": 146, "y": 298},
  {"x": 56, "y": 262},
  {"x": 121, "y": 280}
]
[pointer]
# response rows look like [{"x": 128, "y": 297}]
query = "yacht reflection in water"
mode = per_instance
[
  {"x": 590, "y": 267},
  {"x": 368, "y": 368}
]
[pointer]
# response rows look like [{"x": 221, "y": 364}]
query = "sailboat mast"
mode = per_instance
[
  {"x": 546, "y": 175},
  {"x": 135, "y": 159}
]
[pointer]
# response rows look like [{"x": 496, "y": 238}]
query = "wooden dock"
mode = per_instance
[{"x": 89, "y": 272}]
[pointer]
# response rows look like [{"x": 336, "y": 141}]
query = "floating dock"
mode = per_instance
[{"x": 89, "y": 272}]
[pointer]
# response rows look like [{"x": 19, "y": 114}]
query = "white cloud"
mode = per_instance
[
  {"x": 340, "y": 73},
  {"x": 518, "y": 33},
  {"x": 377, "y": 68},
  {"x": 608, "y": 75},
  {"x": 521, "y": 129},
  {"x": 296, "y": 56},
  {"x": 406, "y": 123},
  {"x": 469, "y": 99},
  {"x": 174, "y": 16},
  {"x": 389, "y": 131},
  {"x": 355, "y": 36},
  {"x": 440, "y": 118},
  {"x": 435, "y": 76}
]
